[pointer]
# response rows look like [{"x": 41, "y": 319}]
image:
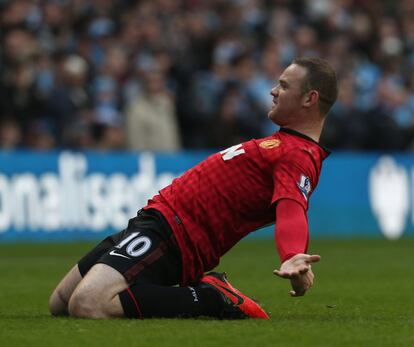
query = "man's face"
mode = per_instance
[{"x": 287, "y": 95}]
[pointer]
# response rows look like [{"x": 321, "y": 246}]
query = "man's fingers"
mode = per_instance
[
  {"x": 299, "y": 270},
  {"x": 294, "y": 268},
  {"x": 282, "y": 274},
  {"x": 277, "y": 273},
  {"x": 291, "y": 274},
  {"x": 295, "y": 294},
  {"x": 313, "y": 258},
  {"x": 287, "y": 274}
]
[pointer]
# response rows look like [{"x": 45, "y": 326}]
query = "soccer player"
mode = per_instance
[{"x": 184, "y": 230}]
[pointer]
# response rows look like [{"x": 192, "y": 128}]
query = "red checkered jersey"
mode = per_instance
[{"x": 233, "y": 192}]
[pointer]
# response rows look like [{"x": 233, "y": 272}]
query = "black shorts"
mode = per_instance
[{"x": 145, "y": 252}]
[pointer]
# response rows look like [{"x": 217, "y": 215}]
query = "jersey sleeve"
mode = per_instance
[
  {"x": 294, "y": 177},
  {"x": 291, "y": 231}
]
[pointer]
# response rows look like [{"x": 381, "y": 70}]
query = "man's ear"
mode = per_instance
[{"x": 311, "y": 98}]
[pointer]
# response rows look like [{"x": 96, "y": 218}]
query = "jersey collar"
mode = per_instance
[{"x": 297, "y": 133}]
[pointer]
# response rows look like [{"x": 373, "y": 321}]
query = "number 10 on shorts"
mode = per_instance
[{"x": 136, "y": 245}]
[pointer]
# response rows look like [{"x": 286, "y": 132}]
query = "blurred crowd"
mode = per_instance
[{"x": 172, "y": 74}]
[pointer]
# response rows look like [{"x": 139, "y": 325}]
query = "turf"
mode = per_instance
[{"x": 362, "y": 297}]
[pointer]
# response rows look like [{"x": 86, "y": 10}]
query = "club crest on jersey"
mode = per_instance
[
  {"x": 304, "y": 186},
  {"x": 269, "y": 144}
]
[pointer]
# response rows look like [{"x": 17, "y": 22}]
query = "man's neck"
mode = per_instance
[{"x": 310, "y": 129}]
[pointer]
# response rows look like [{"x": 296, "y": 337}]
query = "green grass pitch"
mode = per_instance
[{"x": 363, "y": 296}]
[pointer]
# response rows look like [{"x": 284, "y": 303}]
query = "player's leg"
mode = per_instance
[
  {"x": 146, "y": 300},
  {"x": 134, "y": 279},
  {"x": 214, "y": 296},
  {"x": 96, "y": 296},
  {"x": 145, "y": 249},
  {"x": 142, "y": 267},
  {"x": 58, "y": 302},
  {"x": 105, "y": 293}
]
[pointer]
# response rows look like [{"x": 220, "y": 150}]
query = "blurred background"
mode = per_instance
[
  {"x": 155, "y": 74},
  {"x": 167, "y": 76}
]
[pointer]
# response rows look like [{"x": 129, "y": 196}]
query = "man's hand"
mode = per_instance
[{"x": 298, "y": 270}]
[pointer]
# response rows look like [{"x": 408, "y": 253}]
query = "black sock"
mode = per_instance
[{"x": 148, "y": 300}]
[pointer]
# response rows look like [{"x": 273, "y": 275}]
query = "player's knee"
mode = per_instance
[
  {"x": 84, "y": 305},
  {"x": 96, "y": 296},
  {"x": 57, "y": 305}
]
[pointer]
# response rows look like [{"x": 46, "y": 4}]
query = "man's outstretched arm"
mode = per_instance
[{"x": 292, "y": 239}]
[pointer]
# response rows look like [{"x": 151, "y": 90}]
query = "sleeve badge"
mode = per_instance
[
  {"x": 269, "y": 144},
  {"x": 305, "y": 186}
]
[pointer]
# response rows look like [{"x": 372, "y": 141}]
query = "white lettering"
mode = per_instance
[
  {"x": 97, "y": 203},
  {"x": 232, "y": 152},
  {"x": 194, "y": 294},
  {"x": 74, "y": 199},
  {"x": 388, "y": 192},
  {"x": 118, "y": 189},
  {"x": 26, "y": 202},
  {"x": 72, "y": 168},
  {"x": 50, "y": 201},
  {"x": 5, "y": 204}
]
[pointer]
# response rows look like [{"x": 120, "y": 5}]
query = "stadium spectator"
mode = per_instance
[
  {"x": 196, "y": 43},
  {"x": 69, "y": 102},
  {"x": 151, "y": 122},
  {"x": 10, "y": 135}
]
